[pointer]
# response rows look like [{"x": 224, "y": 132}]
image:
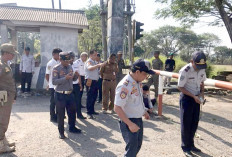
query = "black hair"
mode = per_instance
[
  {"x": 98, "y": 54},
  {"x": 92, "y": 52},
  {"x": 145, "y": 88},
  {"x": 56, "y": 50},
  {"x": 113, "y": 55},
  {"x": 27, "y": 49}
]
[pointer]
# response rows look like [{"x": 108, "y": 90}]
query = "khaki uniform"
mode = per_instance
[
  {"x": 7, "y": 83},
  {"x": 108, "y": 73},
  {"x": 157, "y": 64}
]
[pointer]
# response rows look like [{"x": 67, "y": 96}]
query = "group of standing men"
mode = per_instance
[{"x": 67, "y": 79}]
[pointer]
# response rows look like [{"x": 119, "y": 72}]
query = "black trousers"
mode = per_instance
[
  {"x": 77, "y": 97},
  {"x": 189, "y": 117},
  {"x": 83, "y": 86},
  {"x": 99, "y": 89},
  {"x": 133, "y": 140},
  {"x": 65, "y": 101},
  {"x": 26, "y": 78},
  {"x": 52, "y": 104},
  {"x": 91, "y": 97}
]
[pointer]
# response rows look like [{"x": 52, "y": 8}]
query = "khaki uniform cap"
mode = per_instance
[{"x": 8, "y": 48}]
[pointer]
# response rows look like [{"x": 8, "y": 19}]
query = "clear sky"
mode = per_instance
[{"x": 144, "y": 13}]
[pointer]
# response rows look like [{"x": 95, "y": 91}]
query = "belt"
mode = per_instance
[
  {"x": 108, "y": 80},
  {"x": 64, "y": 92}
]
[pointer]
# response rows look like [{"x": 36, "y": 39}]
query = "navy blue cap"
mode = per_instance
[
  {"x": 143, "y": 65},
  {"x": 64, "y": 56},
  {"x": 71, "y": 54},
  {"x": 199, "y": 59}
]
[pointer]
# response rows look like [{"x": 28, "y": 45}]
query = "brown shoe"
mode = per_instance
[
  {"x": 5, "y": 148},
  {"x": 7, "y": 143}
]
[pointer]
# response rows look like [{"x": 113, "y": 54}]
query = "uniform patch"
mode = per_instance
[
  {"x": 62, "y": 73},
  {"x": 126, "y": 83},
  {"x": 54, "y": 74},
  {"x": 89, "y": 63},
  {"x": 123, "y": 93},
  {"x": 182, "y": 78},
  {"x": 187, "y": 68},
  {"x": 133, "y": 83},
  {"x": 49, "y": 67},
  {"x": 134, "y": 90}
]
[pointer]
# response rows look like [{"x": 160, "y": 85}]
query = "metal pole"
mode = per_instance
[
  {"x": 129, "y": 29},
  {"x": 103, "y": 25},
  {"x": 133, "y": 42},
  {"x": 160, "y": 95}
]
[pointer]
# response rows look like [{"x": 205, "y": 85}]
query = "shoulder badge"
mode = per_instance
[
  {"x": 187, "y": 68},
  {"x": 126, "y": 83},
  {"x": 134, "y": 90},
  {"x": 123, "y": 93},
  {"x": 89, "y": 63},
  {"x": 49, "y": 67}
]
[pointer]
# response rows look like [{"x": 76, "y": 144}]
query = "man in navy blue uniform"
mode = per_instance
[{"x": 191, "y": 84}]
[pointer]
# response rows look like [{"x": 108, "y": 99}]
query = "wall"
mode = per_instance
[{"x": 50, "y": 38}]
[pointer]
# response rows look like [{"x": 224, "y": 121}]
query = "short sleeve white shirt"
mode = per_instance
[
  {"x": 191, "y": 79},
  {"x": 49, "y": 69},
  {"x": 81, "y": 66},
  {"x": 129, "y": 96}
]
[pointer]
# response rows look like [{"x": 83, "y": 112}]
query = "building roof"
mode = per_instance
[{"x": 26, "y": 14}]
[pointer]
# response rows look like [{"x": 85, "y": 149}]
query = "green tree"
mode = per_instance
[
  {"x": 91, "y": 38},
  {"x": 223, "y": 55},
  {"x": 189, "y": 11}
]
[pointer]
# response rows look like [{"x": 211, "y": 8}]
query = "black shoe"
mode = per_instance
[
  {"x": 95, "y": 113},
  {"x": 188, "y": 154},
  {"x": 81, "y": 117},
  {"x": 90, "y": 116},
  {"x": 82, "y": 106},
  {"x": 62, "y": 136},
  {"x": 195, "y": 149},
  {"x": 75, "y": 130}
]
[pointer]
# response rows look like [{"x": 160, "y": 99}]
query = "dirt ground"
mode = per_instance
[{"x": 36, "y": 136}]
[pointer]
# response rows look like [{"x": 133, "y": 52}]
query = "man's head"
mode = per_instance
[
  {"x": 171, "y": 55},
  {"x": 141, "y": 69},
  {"x": 72, "y": 56},
  {"x": 64, "y": 58},
  {"x": 145, "y": 89},
  {"x": 84, "y": 56},
  {"x": 27, "y": 50},
  {"x": 119, "y": 54},
  {"x": 199, "y": 60},
  {"x": 8, "y": 52},
  {"x": 112, "y": 58},
  {"x": 93, "y": 54},
  {"x": 55, "y": 53},
  {"x": 156, "y": 54},
  {"x": 98, "y": 57}
]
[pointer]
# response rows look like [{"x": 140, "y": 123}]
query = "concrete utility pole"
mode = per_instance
[
  {"x": 115, "y": 26},
  {"x": 103, "y": 25},
  {"x": 60, "y": 4},
  {"x": 52, "y": 4}
]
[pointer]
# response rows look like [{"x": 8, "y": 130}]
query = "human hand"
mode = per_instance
[
  {"x": 81, "y": 88},
  {"x": 197, "y": 100},
  {"x": 133, "y": 127},
  {"x": 69, "y": 76},
  {"x": 146, "y": 115}
]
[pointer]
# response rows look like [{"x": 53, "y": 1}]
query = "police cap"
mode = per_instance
[{"x": 7, "y": 47}]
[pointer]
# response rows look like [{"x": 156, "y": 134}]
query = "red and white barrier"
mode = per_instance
[{"x": 208, "y": 82}]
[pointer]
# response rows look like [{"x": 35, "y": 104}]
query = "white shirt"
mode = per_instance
[
  {"x": 191, "y": 79},
  {"x": 75, "y": 67},
  {"x": 81, "y": 66},
  {"x": 49, "y": 69},
  {"x": 129, "y": 96},
  {"x": 27, "y": 63},
  {"x": 93, "y": 75}
]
